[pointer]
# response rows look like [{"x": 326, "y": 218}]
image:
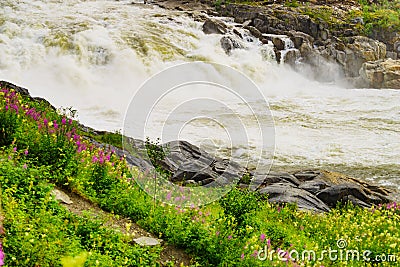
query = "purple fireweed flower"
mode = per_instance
[
  {"x": 229, "y": 237},
  {"x": 2, "y": 255},
  {"x": 255, "y": 253},
  {"x": 70, "y": 121},
  {"x": 168, "y": 196},
  {"x": 269, "y": 243},
  {"x": 64, "y": 121},
  {"x": 26, "y": 152},
  {"x": 242, "y": 256},
  {"x": 108, "y": 157},
  {"x": 262, "y": 237},
  {"x": 55, "y": 125},
  {"x": 45, "y": 122},
  {"x": 6, "y": 107},
  {"x": 217, "y": 233},
  {"x": 94, "y": 159},
  {"x": 25, "y": 166},
  {"x": 15, "y": 149}
]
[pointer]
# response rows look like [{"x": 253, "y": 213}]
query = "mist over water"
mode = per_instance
[{"x": 94, "y": 55}]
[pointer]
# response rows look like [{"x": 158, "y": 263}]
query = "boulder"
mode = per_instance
[
  {"x": 320, "y": 190},
  {"x": 287, "y": 193},
  {"x": 298, "y": 38},
  {"x": 342, "y": 193},
  {"x": 291, "y": 56},
  {"x": 187, "y": 163},
  {"x": 279, "y": 43},
  {"x": 381, "y": 74},
  {"x": 211, "y": 26},
  {"x": 358, "y": 50},
  {"x": 230, "y": 42},
  {"x": 254, "y": 31}
]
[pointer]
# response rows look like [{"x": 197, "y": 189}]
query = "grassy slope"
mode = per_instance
[{"x": 41, "y": 148}]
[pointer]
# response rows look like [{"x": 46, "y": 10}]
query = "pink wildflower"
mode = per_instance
[
  {"x": 262, "y": 237},
  {"x": 2, "y": 255}
]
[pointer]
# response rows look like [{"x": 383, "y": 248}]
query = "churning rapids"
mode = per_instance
[{"x": 93, "y": 55}]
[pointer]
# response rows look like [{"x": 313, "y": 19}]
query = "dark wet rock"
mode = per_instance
[
  {"x": 207, "y": 181},
  {"x": 291, "y": 56},
  {"x": 279, "y": 43},
  {"x": 230, "y": 42},
  {"x": 343, "y": 192},
  {"x": 313, "y": 186},
  {"x": 188, "y": 162},
  {"x": 211, "y": 26},
  {"x": 254, "y": 31},
  {"x": 298, "y": 38},
  {"x": 279, "y": 177},
  {"x": 287, "y": 193},
  {"x": 306, "y": 175}
]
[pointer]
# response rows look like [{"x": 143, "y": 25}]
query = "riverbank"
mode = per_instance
[{"x": 42, "y": 149}]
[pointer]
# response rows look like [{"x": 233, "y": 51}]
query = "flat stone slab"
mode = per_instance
[
  {"x": 147, "y": 241},
  {"x": 61, "y": 197}
]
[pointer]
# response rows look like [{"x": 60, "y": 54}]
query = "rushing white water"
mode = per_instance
[{"x": 94, "y": 55}]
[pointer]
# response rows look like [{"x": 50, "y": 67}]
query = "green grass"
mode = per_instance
[{"x": 229, "y": 232}]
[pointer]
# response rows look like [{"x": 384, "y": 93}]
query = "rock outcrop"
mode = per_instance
[
  {"x": 211, "y": 26},
  {"x": 381, "y": 74},
  {"x": 310, "y": 190}
]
